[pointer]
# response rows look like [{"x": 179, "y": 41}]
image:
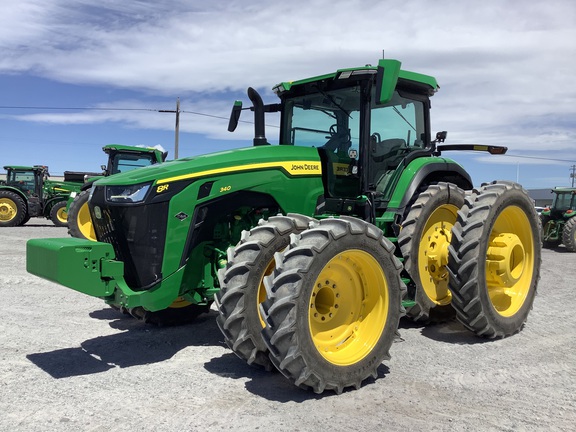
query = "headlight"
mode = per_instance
[{"x": 127, "y": 194}]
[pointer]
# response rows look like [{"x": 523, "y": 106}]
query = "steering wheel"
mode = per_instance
[{"x": 333, "y": 130}]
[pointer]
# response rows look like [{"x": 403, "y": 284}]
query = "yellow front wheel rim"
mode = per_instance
[
  {"x": 8, "y": 209},
  {"x": 62, "y": 215},
  {"x": 433, "y": 254},
  {"x": 348, "y": 307},
  {"x": 510, "y": 261},
  {"x": 261, "y": 295},
  {"x": 84, "y": 221}
]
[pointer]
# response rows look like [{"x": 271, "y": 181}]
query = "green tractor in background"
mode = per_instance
[
  {"x": 313, "y": 249},
  {"x": 121, "y": 158},
  {"x": 559, "y": 221},
  {"x": 27, "y": 193}
]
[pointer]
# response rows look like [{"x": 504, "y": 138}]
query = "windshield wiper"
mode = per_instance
[
  {"x": 403, "y": 118},
  {"x": 331, "y": 99}
]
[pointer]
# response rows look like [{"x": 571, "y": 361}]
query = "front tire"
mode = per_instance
[
  {"x": 58, "y": 214},
  {"x": 333, "y": 307},
  {"x": 79, "y": 219},
  {"x": 495, "y": 259},
  {"x": 569, "y": 234},
  {"x": 12, "y": 209},
  {"x": 424, "y": 240},
  {"x": 242, "y": 289}
]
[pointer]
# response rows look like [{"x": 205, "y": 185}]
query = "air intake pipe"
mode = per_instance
[{"x": 258, "y": 108}]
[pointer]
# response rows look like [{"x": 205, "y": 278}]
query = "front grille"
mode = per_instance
[{"x": 137, "y": 232}]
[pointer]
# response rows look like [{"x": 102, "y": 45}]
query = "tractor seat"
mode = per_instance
[{"x": 384, "y": 158}]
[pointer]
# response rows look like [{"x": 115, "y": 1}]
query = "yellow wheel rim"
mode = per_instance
[
  {"x": 62, "y": 215},
  {"x": 433, "y": 254},
  {"x": 510, "y": 261},
  {"x": 348, "y": 307},
  {"x": 85, "y": 222},
  {"x": 261, "y": 295},
  {"x": 8, "y": 209}
]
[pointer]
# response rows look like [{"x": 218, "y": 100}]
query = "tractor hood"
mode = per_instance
[{"x": 292, "y": 160}]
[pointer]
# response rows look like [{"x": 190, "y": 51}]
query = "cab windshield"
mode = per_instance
[
  {"x": 126, "y": 162},
  {"x": 564, "y": 202}
]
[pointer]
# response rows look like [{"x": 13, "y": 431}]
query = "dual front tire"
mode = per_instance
[{"x": 325, "y": 313}]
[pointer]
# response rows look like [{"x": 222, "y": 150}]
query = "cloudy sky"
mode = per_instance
[{"x": 78, "y": 74}]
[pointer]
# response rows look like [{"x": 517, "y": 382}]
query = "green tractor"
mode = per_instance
[
  {"x": 27, "y": 193},
  {"x": 559, "y": 221},
  {"x": 121, "y": 158},
  {"x": 313, "y": 249}
]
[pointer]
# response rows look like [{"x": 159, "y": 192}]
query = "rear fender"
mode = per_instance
[{"x": 426, "y": 171}]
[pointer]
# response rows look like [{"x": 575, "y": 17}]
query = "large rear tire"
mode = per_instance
[
  {"x": 334, "y": 302},
  {"x": 242, "y": 289},
  {"x": 79, "y": 219},
  {"x": 569, "y": 234},
  {"x": 58, "y": 214},
  {"x": 495, "y": 259},
  {"x": 424, "y": 240},
  {"x": 12, "y": 209}
]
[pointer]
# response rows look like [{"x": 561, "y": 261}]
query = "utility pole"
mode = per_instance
[
  {"x": 177, "y": 129},
  {"x": 573, "y": 174}
]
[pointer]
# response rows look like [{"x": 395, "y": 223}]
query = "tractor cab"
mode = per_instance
[
  {"x": 29, "y": 180},
  {"x": 127, "y": 158},
  {"x": 564, "y": 201},
  {"x": 362, "y": 135}
]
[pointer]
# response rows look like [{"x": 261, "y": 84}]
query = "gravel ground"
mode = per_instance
[{"x": 69, "y": 363}]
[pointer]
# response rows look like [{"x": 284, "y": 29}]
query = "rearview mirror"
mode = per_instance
[{"x": 234, "y": 116}]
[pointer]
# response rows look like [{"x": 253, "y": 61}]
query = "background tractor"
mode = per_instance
[
  {"x": 121, "y": 158},
  {"x": 313, "y": 249},
  {"x": 558, "y": 221},
  {"x": 27, "y": 193}
]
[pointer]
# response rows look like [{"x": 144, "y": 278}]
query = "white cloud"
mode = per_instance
[{"x": 505, "y": 68}]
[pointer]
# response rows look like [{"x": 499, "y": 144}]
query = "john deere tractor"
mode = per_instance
[
  {"x": 313, "y": 249},
  {"x": 121, "y": 158},
  {"x": 559, "y": 221},
  {"x": 27, "y": 193}
]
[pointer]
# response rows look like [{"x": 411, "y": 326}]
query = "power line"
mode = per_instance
[
  {"x": 538, "y": 157},
  {"x": 217, "y": 117},
  {"x": 124, "y": 109},
  {"x": 77, "y": 108}
]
